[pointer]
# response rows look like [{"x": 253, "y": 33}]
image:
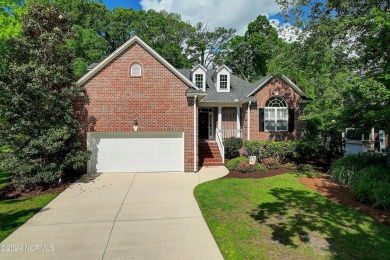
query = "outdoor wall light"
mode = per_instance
[
  {"x": 135, "y": 126},
  {"x": 276, "y": 92}
]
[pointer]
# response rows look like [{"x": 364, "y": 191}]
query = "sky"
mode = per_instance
[{"x": 235, "y": 14}]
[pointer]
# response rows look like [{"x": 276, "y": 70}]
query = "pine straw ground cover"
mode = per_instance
[{"x": 280, "y": 218}]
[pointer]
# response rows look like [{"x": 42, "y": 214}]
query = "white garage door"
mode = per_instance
[{"x": 136, "y": 151}]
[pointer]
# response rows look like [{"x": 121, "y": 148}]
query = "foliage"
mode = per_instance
[
  {"x": 240, "y": 212},
  {"x": 373, "y": 186},
  {"x": 250, "y": 53},
  {"x": 11, "y": 12},
  {"x": 291, "y": 166},
  {"x": 232, "y": 147},
  {"x": 279, "y": 151},
  {"x": 232, "y": 164},
  {"x": 244, "y": 167},
  {"x": 206, "y": 47},
  {"x": 271, "y": 163},
  {"x": 252, "y": 148},
  {"x": 355, "y": 36},
  {"x": 346, "y": 169},
  {"x": 40, "y": 127},
  {"x": 305, "y": 167},
  {"x": 259, "y": 167}
]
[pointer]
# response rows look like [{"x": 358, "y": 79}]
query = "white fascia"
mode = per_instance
[
  {"x": 201, "y": 71},
  {"x": 223, "y": 70}
]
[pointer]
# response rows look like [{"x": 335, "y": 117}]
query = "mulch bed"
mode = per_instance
[
  {"x": 341, "y": 194},
  {"x": 10, "y": 192},
  {"x": 257, "y": 174}
]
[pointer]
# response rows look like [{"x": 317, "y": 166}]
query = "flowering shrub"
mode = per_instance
[
  {"x": 271, "y": 163},
  {"x": 245, "y": 167}
]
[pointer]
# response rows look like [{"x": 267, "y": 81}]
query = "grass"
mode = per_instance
[
  {"x": 4, "y": 178},
  {"x": 280, "y": 218},
  {"x": 15, "y": 212}
]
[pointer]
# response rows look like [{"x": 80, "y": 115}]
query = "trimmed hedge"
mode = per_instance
[
  {"x": 232, "y": 164},
  {"x": 232, "y": 147}
]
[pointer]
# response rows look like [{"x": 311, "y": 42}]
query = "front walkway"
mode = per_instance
[{"x": 121, "y": 215}]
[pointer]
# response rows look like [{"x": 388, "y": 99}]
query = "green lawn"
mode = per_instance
[
  {"x": 280, "y": 218},
  {"x": 4, "y": 177},
  {"x": 15, "y": 212}
]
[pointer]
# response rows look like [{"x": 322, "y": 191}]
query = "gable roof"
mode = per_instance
[
  {"x": 263, "y": 81},
  {"x": 121, "y": 49},
  {"x": 199, "y": 66},
  {"x": 239, "y": 88}
]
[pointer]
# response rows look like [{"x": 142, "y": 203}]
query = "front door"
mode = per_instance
[{"x": 203, "y": 125}]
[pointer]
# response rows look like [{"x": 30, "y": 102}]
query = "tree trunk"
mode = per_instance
[{"x": 387, "y": 133}]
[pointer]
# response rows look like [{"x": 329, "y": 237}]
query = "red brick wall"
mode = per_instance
[
  {"x": 262, "y": 96},
  {"x": 157, "y": 99}
]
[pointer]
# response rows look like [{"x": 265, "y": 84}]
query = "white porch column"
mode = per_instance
[
  {"x": 249, "y": 120},
  {"x": 219, "y": 118},
  {"x": 238, "y": 122}
]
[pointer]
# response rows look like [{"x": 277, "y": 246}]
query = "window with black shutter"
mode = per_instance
[{"x": 276, "y": 115}]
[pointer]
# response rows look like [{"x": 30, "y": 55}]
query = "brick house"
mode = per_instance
[{"x": 148, "y": 116}]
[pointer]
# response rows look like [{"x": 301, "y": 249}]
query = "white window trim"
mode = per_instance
[
  {"x": 131, "y": 70},
  {"x": 276, "y": 116},
  {"x": 219, "y": 83},
  {"x": 200, "y": 72}
]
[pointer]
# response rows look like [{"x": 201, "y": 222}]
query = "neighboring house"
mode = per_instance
[
  {"x": 147, "y": 116},
  {"x": 356, "y": 142}
]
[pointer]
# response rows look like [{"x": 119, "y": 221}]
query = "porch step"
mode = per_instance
[{"x": 209, "y": 154}]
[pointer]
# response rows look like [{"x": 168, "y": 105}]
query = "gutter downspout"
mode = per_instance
[
  {"x": 195, "y": 154},
  {"x": 249, "y": 120}
]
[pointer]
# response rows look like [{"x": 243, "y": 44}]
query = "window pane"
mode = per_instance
[
  {"x": 269, "y": 114},
  {"x": 282, "y": 125},
  {"x": 199, "y": 80},
  {"x": 135, "y": 70},
  {"x": 282, "y": 114},
  {"x": 269, "y": 125},
  {"x": 223, "y": 81}
]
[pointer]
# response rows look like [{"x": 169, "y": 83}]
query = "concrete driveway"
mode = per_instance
[{"x": 120, "y": 216}]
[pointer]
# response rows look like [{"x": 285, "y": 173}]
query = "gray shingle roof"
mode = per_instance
[{"x": 239, "y": 88}]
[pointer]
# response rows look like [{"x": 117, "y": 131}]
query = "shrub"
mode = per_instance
[
  {"x": 232, "y": 164},
  {"x": 232, "y": 147},
  {"x": 245, "y": 167},
  {"x": 253, "y": 148},
  {"x": 345, "y": 169},
  {"x": 307, "y": 150},
  {"x": 277, "y": 150},
  {"x": 259, "y": 167},
  {"x": 305, "y": 167},
  {"x": 291, "y": 166},
  {"x": 373, "y": 186},
  {"x": 271, "y": 163}
]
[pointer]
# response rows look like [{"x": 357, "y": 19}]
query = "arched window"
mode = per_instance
[
  {"x": 276, "y": 115},
  {"x": 135, "y": 70}
]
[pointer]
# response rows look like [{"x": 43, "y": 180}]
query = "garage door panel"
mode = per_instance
[{"x": 136, "y": 152}]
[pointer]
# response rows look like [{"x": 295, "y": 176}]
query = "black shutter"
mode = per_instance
[
  {"x": 261, "y": 119},
  {"x": 291, "y": 120}
]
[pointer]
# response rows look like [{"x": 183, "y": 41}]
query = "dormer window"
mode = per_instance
[
  {"x": 223, "y": 81},
  {"x": 222, "y": 76},
  {"x": 199, "y": 77},
  {"x": 199, "y": 80},
  {"x": 135, "y": 70}
]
